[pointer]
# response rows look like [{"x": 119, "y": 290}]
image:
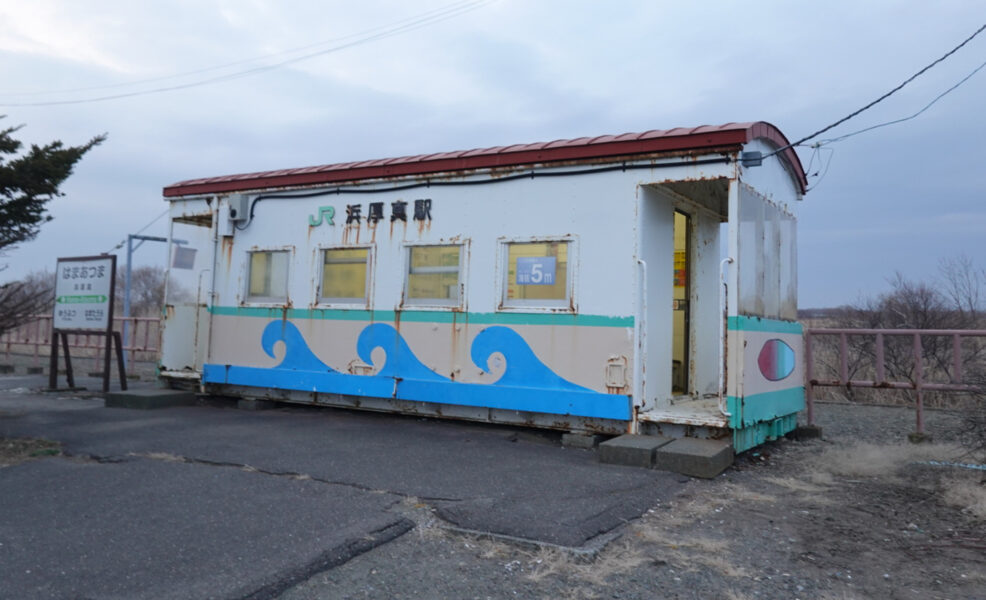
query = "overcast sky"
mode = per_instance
[{"x": 474, "y": 73}]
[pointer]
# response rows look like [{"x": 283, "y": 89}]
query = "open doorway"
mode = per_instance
[{"x": 680, "y": 312}]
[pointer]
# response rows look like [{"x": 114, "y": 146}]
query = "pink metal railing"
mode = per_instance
[
  {"x": 916, "y": 382},
  {"x": 34, "y": 339}
]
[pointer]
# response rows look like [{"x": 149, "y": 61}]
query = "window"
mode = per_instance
[
  {"x": 538, "y": 274},
  {"x": 433, "y": 276},
  {"x": 345, "y": 275},
  {"x": 268, "y": 277}
]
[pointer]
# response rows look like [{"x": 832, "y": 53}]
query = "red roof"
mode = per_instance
[{"x": 704, "y": 138}]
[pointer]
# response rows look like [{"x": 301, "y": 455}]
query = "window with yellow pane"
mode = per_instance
[
  {"x": 434, "y": 276},
  {"x": 345, "y": 276},
  {"x": 537, "y": 274},
  {"x": 268, "y": 276}
]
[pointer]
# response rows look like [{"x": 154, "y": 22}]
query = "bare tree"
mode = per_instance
[
  {"x": 953, "y": 301},
  {"x": 22, "y": 300},
  {"x": 146, "y": 291},
  {"x": 963, "y": 284}
]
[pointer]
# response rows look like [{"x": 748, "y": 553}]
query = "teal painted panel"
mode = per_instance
[
  {"x": 765, "y": 407},
  {"x": 424, "y": 316},
  {"x": 753, "y": 436},
  {"x": 734, "y": 406},
  {"x": 745, "y": 323}
]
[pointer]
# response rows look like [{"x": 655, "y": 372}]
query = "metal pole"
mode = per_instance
[
  {"x": 809, "y": 375},
  {"x": 126, "y": 292},
  {"x": 919, "y": 382}
]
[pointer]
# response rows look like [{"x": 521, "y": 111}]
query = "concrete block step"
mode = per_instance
[
  {"x": 632, "y": 450},
  {"x": 148, "y": 399},
  {"x": 695, "y": 457}
]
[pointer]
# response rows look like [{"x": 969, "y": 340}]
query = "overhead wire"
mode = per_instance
[
  {"x": 442, "y": 9},
  {"x": 419, "y": 23},
  {"x": 901, "y": 120},
  {"x": 824, "y": 171},
  {"x": 881, "y": 98},
  {"x": 139, "y": 231}
]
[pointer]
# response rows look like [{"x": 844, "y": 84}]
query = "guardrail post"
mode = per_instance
[
  {"x": 843, "y": 360},
  {"x": 919, "y": 383},
  {"x": 956, "y": 358},
  {"x": 881, "y": 367},
  {"x": 809, "y": 375}
]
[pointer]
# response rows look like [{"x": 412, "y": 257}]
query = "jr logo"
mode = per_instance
[{"x": 326, "y": 212}]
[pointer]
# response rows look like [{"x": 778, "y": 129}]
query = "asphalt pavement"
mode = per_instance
[{"x": 209, "y": 501}]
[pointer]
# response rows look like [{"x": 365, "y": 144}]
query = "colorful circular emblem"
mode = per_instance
[{"x": 776, "y": 360}]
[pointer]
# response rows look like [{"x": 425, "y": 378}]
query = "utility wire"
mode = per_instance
[
  {"x": 881, "y": 98},
  {"x": 824, "y": 171},
  {"x": 894, "y": 122},
  {"x": 443, "y": 9},
  {"x": 423, "y": 22},
  {"x": 139, "y": 231}
]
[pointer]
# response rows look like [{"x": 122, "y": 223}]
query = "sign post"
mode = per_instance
[{"x": 84, "y": 296}]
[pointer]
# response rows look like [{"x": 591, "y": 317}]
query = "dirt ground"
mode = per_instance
[
  {"x": 852, "y": 516},
  {"x": 858, "y": 514}
]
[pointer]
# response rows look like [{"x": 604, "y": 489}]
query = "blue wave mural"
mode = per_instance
[
  {"x": 524, "y": 368},
  {"x": 297, "y": 354},
  {"x": 527, "y": 384},
  {"x": 400, "y": 362}
]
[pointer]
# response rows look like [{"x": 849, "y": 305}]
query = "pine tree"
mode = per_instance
[{"x": 28, "y": 181}]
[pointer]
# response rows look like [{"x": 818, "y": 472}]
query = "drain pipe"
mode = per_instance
[
  {"x": 723, "y": 301},
  {"x": 640, "y": 363}
]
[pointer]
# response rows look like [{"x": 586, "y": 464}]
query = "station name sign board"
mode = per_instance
[{"x": 84, "y": 292}]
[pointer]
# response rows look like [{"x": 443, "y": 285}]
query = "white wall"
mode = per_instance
[
  {"x": 657, "y": 250},
  {"x": 596, "y": 210}
]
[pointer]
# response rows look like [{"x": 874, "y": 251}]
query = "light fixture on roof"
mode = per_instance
[{"x": 753, "y": 158}]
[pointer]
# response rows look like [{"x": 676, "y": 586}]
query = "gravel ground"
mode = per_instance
[
  {"x": 854, "y": 515},
  {"x": 850, "y": 516}
]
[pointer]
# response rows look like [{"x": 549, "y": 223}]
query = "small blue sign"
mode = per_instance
[{"x": 535, "y": 270}]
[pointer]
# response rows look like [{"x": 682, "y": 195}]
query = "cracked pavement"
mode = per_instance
[{"x": 210, "y": 501}]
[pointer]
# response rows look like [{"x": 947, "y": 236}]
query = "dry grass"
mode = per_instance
[
  {"x": 165, "y": 456},
  {"x": 967, "y": 493},
  {"x": 696, "y": 553},
  {"x": 796, "y": 485},
  {"x": 615, "y": 560},
  {"x": 688, "y": 552},
  {"x": 876, "y": 460},
  {"x": 687, "y": 510},
  {"x": 14, "y": 451}
]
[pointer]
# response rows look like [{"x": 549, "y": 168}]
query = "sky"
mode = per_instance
[{"x": 213, "y": 87}]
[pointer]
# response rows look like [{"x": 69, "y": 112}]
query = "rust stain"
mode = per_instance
[{"x": 227, "y": 250}]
